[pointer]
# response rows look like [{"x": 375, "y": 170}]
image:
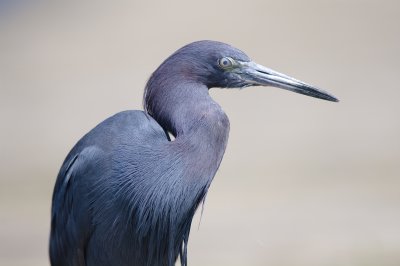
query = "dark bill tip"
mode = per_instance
[{"x": 311, "y": 91}]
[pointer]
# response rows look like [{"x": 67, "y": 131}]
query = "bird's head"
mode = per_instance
[{"x": 217, "y": 64}]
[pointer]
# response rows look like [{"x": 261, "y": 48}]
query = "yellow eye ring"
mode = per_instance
[{"x": 226, "y": 62}]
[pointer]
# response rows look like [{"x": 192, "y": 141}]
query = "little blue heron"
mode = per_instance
[{"x": 126, "y": 193}]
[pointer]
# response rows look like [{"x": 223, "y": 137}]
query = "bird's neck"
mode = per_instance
[
  {"x": 194, "y": 118},
  {"x": 203, "y": 129},
  {"x": 180, "y": 108}
]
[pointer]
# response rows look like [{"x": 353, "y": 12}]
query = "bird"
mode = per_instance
[{"x": 127, "y": 192}]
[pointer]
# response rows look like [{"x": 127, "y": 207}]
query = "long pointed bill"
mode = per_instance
[{"x": 256, "y": 74}]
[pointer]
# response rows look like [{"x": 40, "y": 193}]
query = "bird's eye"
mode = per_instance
[{"x": 226, "y": 62}]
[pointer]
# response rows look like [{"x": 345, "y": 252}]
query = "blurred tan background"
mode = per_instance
[{"x": 303, "y": 181}]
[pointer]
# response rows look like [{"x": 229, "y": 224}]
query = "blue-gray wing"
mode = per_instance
[
  {"x": 86, "y": 184},
  {"x": 70, "y": 220}
]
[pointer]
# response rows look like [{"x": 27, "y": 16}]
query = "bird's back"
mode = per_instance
[{"x": 94, "y": 212}]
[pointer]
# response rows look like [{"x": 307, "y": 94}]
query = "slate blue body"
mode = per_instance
[
  {"x": 126, "y": 194},
  {"x": 122, "y": 178}
]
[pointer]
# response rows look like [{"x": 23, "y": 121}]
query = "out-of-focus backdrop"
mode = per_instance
[{"x": 303, "y": 181}]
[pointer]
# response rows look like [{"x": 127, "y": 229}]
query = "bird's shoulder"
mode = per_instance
[
  {"x": 122, "y": 134},
  {"x": 132, "y": 126},
  {"x": 134, "y": 123}
]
